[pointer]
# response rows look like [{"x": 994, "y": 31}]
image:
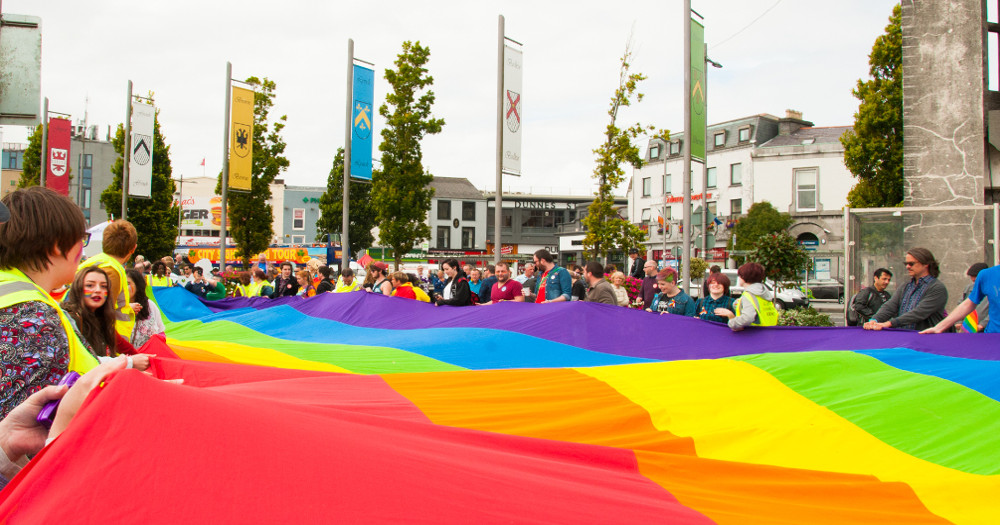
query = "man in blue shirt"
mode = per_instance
[
  {"x": 554, "y": 283},
  {"x": 987, "y": 287}
]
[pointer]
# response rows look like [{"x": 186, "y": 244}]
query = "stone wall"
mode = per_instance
[{"x": 944, "y": 138}]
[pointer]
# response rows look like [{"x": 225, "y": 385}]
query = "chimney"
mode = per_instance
[{"x": 792, "y": 122}]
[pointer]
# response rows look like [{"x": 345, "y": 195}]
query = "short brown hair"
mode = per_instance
[
  {"x": 40, "y": 220},
  {"x": 120, "y": 239},
  {"x": 751, "y": 273},
  {"x": 721, "y": 279},
  {"x": 400, "y": 277},
  {"x": 595, "y": 269},
  {"x": 544, "y": 255}
]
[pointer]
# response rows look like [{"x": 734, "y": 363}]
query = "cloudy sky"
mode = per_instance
[{"x": 777, "y": 54}]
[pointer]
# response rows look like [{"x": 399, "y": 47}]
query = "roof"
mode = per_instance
[
  {"x": 455, "y": 188},
  {"x": 806, "y": 136}
]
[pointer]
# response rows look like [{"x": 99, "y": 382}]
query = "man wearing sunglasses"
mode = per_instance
[{"x": 918, "y": 303}]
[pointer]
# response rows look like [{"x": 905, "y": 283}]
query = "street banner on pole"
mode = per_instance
[
  {"x": 698, "y": 113},
  {"x": 58, "y": 155},
  {"x": 512, "y": 114},
  {"x": 140, "y": 163},
  {"x": 241, "y": 140},
  {"x": 361, "y": 123}
]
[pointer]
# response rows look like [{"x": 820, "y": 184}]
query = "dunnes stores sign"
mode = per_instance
[{"x": 536, "y": 205}]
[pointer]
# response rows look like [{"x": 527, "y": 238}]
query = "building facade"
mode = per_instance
[
  {"x": 301, "y": 213},
  {"x": 785, "y": 161}
]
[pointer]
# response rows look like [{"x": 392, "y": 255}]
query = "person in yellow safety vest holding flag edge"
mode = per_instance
[
  {"x": 159, "y": 276},
  {"x": 754, "y": 307},
  {"x": 346, "y": 282},
  {"x": 40, "y": 247},
  {"x": 259, "y": 286},
  {"x": 120, "y": 240}
]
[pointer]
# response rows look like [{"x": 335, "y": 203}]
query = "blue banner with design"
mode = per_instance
[{"x": 361, "y": 123}]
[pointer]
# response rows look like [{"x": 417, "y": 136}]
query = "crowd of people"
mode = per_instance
[{"x": 61, "y": 315}]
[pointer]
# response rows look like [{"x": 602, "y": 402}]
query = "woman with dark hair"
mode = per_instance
[
  {"x": 918, "y": 303},
  {"x": 147, "y": 320},
  {"x": 717, "y": 300},
  {"x": 160, "y": 276},
  {"x": 754, "y": 307},
  {"x": 87, "y": 304},
  {"x": 326, "y": 283},
  {"x": 456, "y": 288}
]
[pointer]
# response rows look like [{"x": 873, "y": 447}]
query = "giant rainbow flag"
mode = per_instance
[{"x": 359, "y": 408}]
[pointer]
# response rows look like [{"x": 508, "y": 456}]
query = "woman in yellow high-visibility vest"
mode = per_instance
[
  {"x": 40, "y": 247},
  {"x": 754, "y": 307}
]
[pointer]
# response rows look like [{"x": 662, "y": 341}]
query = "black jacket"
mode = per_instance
[
  {"x": 461, "y": 295},
  {"x": 283, "y": 288},
  {"x": 637, "y": 269}
]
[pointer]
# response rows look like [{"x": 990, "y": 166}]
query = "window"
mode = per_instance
[
  {"x": 736, "y": 207},
  {"x": 298, "y": 239},
  {"x": 298, "y": 218},
  {"x": 88, "y": 161},
  {"x": 667, "y": 213},
  {"x": 667, "y": 187},
  {"x": 468, "y": 238},
  {"x": 711, "y": 176},
  {"x": 444, "y": 210},
  {"x": 720, "y": 139},
  {"x": 675, "y": 147},
  {"x": 654, "y": 151},
  {"x": 744, "y": 134},
  {"x": 443, "y": 237},
  {"x": 468, "y": 211},
  {"x": 805, "y": 189},
  {"x": 735, "y": 174},
  {"x": 538, "y": 219},
  {"x": 14, "y": 160},
  {"x": 647, "y": 187},
  {"x": 506, "y": 219},
  {"x": 86, "y": 198},
  {"x": 646, "y": 215}
]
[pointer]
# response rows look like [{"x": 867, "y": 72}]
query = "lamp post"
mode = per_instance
[{"x": 704, "y": 178}]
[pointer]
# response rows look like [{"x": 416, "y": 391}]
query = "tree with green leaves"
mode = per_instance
[
  {"x": 249, "y": 216},
  {"x": 873, "y": 150},
  {"x": 362, "y": 216},
  {"x": 401, "y": 188},
  {"x": 781, "y": 256},
  {"x": 32, "y": 165},
  {"x": 762, "y": 219},
  {"x": 607, "y": 231},
  {"x": 155, "y": 218}
]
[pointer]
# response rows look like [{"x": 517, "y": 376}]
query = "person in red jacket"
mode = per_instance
[{"x": 401, "y": 286}]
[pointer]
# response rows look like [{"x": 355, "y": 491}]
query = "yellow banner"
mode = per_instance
[{"x": 241, "y": 140}]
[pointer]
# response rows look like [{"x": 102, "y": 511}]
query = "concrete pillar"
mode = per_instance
[{"x": 944, "y": 137}]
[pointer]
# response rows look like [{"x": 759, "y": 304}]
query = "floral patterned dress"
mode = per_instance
[{"x": 34, "y": 351}]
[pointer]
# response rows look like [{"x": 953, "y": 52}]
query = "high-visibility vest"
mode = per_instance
[
  {"x": 159, "y": 281},
  {"x": 342, "y": 288},
  {"x": 124, "y": 316},
  {"x": 767, "y": 314},
  {"x": 244, "y": 289},
  {"x": 254, "y": 289},
  {"x": 16, "y": 288}
]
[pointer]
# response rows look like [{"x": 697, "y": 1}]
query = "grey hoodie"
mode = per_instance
[{"x": 747, "y": 311}]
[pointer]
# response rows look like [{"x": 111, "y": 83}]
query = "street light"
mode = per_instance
[{"x": 704, "y": 173}]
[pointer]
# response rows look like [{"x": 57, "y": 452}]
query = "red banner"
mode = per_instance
[{"x": 57, "y": 174}]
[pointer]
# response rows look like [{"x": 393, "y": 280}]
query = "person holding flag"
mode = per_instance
[
  {"x": 42, "y": 236},
  {"x": 120, "y": 242}
]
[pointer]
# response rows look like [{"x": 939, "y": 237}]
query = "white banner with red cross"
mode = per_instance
[{"x": 512, "y": 114}]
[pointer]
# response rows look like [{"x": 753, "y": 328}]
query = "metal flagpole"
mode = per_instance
[
  {"x": 704, "y": 171},
  {"x": 128, "y": 151},
  {"x": 45, "y": 143},
  {"x": 225, "y": 166},
  {"x": 498, "y": 200},
  {"x": 345, "y": 257},
  {"x": 686, "y": 261}
]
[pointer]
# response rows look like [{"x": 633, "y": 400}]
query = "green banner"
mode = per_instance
[{"x": 698, "y": 110}]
